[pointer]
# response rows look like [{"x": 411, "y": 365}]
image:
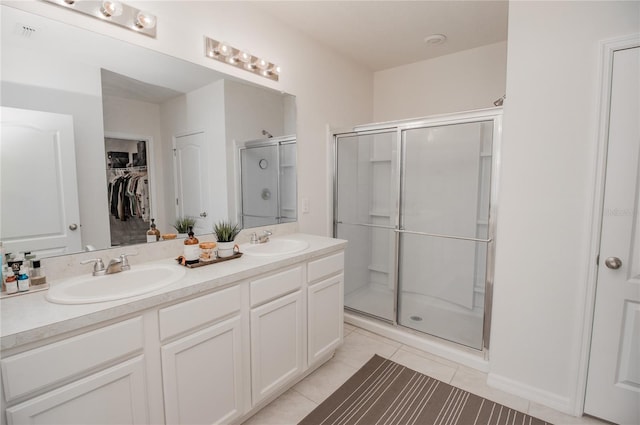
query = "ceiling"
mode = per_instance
[{"x": 386, "y": 34}]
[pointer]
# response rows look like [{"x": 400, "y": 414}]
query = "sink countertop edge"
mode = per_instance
[{"x": 63, "y": 318}]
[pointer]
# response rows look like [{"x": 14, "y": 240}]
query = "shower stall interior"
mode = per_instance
[
  {"x": 414, "y": 200},
  {"x": 268, "y": 181}
]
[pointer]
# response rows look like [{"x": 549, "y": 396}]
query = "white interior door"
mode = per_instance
[
  {"x": 613, "y": 386},
  {"x": 192, "y": 185},
  {"x": 39, "y": 195}
]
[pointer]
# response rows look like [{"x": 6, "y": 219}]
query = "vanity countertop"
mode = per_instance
[{"x": 31, "y": 317}]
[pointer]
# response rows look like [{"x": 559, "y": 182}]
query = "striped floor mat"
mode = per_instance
[{"x": 383, "y": 392}]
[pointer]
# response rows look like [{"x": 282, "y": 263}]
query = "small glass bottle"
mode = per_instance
[
  {"x": 11, "y": 282},
  {"x": 23, "y": 279},
  {"x": 153, "y": 234},
  {"x": 191, "y": 248}
]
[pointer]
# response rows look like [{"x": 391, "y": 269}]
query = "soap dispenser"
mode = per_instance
[
  {"x": 153, "y": 234},
  {"x": 191, "y": 248}
]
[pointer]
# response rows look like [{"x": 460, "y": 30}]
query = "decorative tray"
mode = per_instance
[{"x": 209, "y": 262}]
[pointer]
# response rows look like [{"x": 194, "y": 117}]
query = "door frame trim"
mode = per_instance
[{"x": 607, "y": 49}]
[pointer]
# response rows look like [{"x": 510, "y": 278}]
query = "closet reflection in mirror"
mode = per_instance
[{"x": 189, "y": 117}]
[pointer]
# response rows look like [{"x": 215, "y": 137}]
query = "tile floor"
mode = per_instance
[{"x": 359, "y": 345}]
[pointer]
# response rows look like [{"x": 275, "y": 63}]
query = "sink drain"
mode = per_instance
[{"x": 415, "y": 318}]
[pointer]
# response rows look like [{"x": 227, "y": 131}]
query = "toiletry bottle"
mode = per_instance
[
  {"x": 191, "y": 248},
  {"x": 153, "y": 234},
  {"x": 37, "y": 275},
  {"x": 11, "y": 283},
  {"x": 23, "y": 279}
]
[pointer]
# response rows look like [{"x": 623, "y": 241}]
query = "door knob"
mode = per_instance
[
  {"x": 203, "y": 214},
  {"x": 73, "y": 226},
  {"x": 613, "y": 263}
]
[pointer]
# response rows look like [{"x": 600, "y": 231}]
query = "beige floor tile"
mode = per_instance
[
  {"x": 424, "y": 365},
  {"x": 476, "y": 382},
  {"x": 378, "y": 337},
  {"x": 290, "y": 408},
  {"x": 558, "y": 418},
  {"x": 429, "y": 356},
  {"x": 324, "y": 381},
  {"x": 357, "y": 349},
  {"x": 348, "y": 329}
]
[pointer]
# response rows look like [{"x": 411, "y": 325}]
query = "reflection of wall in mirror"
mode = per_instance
[{"x": 55, "y": 85}]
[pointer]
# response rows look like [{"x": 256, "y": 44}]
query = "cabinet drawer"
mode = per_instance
[
  {"x": 187, "y": 315},
  {"x": 33, "y": 369},
  {"x": 325, "y": 266},
  {"x": 273, "y": 286}
]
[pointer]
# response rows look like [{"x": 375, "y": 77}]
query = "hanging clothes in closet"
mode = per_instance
[{"x": 129, "y": 193}]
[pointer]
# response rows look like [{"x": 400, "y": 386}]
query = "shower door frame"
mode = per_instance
[{"x": 400, "y": 126}]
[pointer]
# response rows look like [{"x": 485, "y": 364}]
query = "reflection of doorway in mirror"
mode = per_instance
[{"x": 129, "y": 197}]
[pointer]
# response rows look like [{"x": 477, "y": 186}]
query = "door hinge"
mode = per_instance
[{"x": 177, "y": 201}]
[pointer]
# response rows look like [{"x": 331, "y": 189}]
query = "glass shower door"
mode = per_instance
[
  {"x": 366, "y": 181},
  {"x": 444, "y": 232}
]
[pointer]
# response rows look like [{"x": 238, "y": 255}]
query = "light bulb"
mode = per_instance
[
  {"x": 262, "y": 64},
  {"x": 69, "y": 2},
  {"x": 244, "y": 56},
  {"x": 145, "y": 20},
  {"x": 275, "y": 70},
  {"x": 224, "y": 49},
  {"x": 111, "y": 8}
]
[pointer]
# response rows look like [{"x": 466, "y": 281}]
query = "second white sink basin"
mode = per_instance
[
  {"x": 95, "y": 289},
  {"x": 275, "y": 247}
]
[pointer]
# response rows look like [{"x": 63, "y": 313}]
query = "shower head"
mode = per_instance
[
  {"x": 266, "y": 133},
  {"x": 500, "y": 101}
]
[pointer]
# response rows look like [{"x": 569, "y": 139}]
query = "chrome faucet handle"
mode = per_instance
[
  {"x": 124, "y": 260},
  {"x": 267, "y": 233},
  {"x": 254, "y": 238},
  {"x": 98, "y": 266}
]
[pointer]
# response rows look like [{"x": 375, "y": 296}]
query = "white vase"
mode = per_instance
[{"x": 226, "y": 249}]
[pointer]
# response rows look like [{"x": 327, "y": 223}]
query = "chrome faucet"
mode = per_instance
[
  {"x": 265, "y": 236},
  {"x": 116, "y": 265}
]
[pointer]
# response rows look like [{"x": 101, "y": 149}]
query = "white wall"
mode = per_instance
[
  {"x": 471, "y": 79},
  {"x": 49, "y": 84},
  {"x": 546, "y": 194}
]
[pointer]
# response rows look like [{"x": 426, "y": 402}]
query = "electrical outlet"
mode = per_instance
[{"x": 305, "y": 206}]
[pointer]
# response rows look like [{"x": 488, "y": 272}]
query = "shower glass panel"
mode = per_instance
[
  {"x": 288, "y": 190},
  {"x": 444, "y": 232},
  {"x": 259, "y": 186},
  {"x": 365, "y": 215}
]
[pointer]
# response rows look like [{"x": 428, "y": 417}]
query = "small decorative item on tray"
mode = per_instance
[
  {"x": 207, "y": 252},
  {"x": 202, "y": 262},
  {"x": 168, "y": 236}
]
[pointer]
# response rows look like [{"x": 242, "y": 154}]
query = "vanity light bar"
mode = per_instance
[
  {"x": 223, "y": 52},
  {"x": 114, "y": 12}
]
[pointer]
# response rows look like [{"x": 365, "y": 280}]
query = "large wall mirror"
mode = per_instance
[{"x": 100, "y": 136}]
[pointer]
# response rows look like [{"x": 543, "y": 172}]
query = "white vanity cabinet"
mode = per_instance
[
  {"x": 277, "y": 331},
  {"x": 98, "y": 376},
  {"x": 325, "y": 295},
  {"x": 202, "y": 364}
]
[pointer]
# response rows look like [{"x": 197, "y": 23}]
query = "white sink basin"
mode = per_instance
[
  {"x": 95, "y": 289},
  {"x": 275, "y": 247}
]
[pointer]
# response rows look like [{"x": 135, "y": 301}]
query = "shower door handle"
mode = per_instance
[{"x": 436, "y": 235}]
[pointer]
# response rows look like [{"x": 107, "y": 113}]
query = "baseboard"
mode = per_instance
[{"x": 549, "y": 399}]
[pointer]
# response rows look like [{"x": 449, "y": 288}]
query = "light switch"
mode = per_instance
[{"x": 305, "y": 205}]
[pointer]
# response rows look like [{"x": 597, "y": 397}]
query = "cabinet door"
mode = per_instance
[
  {"x": 113, "y": 396},
  {"x": 325, "y": 313},
  {"x": 276, "y": 344},
  {"x": 202, "y": 375}
]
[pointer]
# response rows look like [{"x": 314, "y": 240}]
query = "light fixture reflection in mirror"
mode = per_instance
[
  {"x": 144, "y": 95},
  {"x": 115, "y": 12},
  {"x": 223, "y": 52}
]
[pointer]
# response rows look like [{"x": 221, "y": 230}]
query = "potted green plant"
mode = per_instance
[
  {"x": 226, "y": 233},
  {"x": 182, "y": 225}
]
